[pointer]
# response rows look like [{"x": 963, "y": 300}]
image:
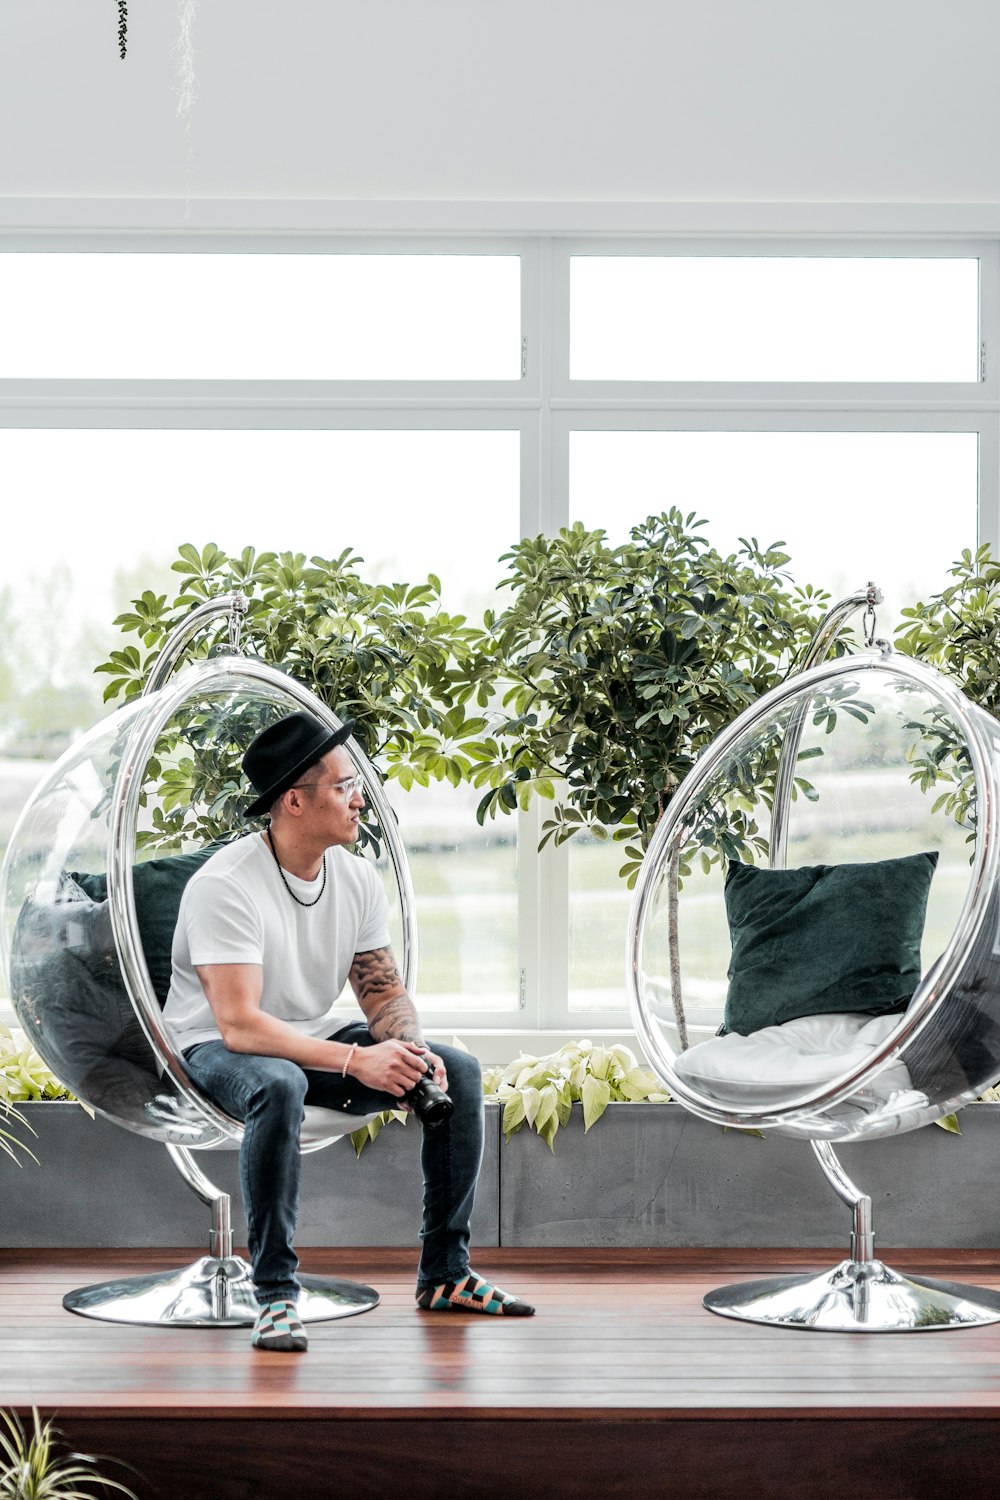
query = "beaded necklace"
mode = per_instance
[{"x": 277, "y": 861}]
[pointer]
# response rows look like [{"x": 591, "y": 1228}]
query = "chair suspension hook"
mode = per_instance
[{"x": 238, "y": 607}]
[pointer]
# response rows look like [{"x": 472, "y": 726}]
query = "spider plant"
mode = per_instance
[
  {"x": 9, "y": 1143},
  {"x": 37, "y": 1470},
  {"x": 23, "y": 1077}
]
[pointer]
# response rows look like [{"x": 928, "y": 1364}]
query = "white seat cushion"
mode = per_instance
[
  {"x": 790, "y": 1058},
  {"x": 318, "y": 1125},
  {"x": 321, "y": 1124}
]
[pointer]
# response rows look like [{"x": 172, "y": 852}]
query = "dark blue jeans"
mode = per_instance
[{"x": 268, "y": 1095}]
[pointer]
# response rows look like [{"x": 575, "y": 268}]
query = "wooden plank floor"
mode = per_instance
[{"x": 622, "y": 1383}]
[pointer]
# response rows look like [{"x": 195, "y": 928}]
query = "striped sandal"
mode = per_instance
[
  {"x": 472, "y": 1294},
  {"x": 278, "y": 1328}
]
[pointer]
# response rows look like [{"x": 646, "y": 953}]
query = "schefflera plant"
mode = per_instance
[
  {"x": 541, "y": 1092},
  {"x": 620, "y": 664},
  {"x": 385, "y": 655}
]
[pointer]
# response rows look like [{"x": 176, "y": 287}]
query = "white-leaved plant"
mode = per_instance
[
  {"x": 23, "y": 1074},
  {"x": 540, "y": 1091},
  {"x": 9, "y": 1143},
  {"x": 24, "y": 1077}
]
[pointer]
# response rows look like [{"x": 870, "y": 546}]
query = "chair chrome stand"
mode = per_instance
[
  {"x": 217, "y": 1290},
  {"x": 861, "y": 1294}
]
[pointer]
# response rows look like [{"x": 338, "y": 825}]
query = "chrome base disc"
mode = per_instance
[
  {"x": 211, "y": 1293},
  {"x": 858, "y": 1297}
]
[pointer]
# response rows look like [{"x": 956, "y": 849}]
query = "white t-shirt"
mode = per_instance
[{"x": 236, "y": 910}]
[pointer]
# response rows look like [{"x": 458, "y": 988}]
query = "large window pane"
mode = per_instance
[
  {"x": 773, "y": 318},
  {"x": 893, "y": 507},
  {"x": 95, "y": 517},
  {"x": 261, "y": 317}
]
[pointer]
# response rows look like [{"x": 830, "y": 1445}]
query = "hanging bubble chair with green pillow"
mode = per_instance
[
  {"x": 89, "y": 894},
  {"x": 813, "y": 945}
]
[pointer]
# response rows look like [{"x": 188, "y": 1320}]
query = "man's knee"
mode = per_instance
[
  {"x": 465, "y": 1074},
  {"x": 280, "y": 1087}
]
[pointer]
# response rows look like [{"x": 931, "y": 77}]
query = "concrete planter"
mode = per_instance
[
  {"x": 98, "y": 1185},
  {"x": 655, "y": 1175},
  {"x": 647, "y": 1175}
]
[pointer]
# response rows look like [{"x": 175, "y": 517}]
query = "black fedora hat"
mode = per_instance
[{"x": 280, "y": 754}]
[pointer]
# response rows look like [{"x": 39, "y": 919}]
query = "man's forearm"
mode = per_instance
[
  {"x": 267, "y": 1036},
  {"x": 233, "y": 992},
  {"x": 396, "y": 1018},
  {"x": 388, "y": 1009}
]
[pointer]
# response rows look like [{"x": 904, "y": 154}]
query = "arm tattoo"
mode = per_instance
[
  {"x": 373, "y": 972},
  {"x": 373, "y": 976},
  {"x": 397, "y": 1018}
]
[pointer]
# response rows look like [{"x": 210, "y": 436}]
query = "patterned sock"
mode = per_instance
[
  {"x": 278, "y": 1328},
  {"x": 472, "y": 1294}
]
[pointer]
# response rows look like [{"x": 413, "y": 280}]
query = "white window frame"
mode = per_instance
[{"x": 544, "y": 407}]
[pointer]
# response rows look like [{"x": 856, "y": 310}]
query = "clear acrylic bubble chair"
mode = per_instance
[
  {"x": 89, "y": 898},
  {"x": 813, "y": 944}
]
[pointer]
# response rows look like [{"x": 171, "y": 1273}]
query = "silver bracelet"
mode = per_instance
[{"x": 347, "y": 1060}]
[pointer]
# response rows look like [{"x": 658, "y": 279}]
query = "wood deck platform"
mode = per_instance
[{"x": 622, "y": 1385}]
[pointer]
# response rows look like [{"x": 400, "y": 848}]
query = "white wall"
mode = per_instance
[{"x": 658, "y": 101}]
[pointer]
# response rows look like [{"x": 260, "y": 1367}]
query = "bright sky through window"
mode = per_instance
[
  {"x": 896, "y": 507},
  {"x": 774, "y": 318},
  {"x": 261, "y": 317}
]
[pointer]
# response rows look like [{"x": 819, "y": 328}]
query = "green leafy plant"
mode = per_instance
[
  {"x": 369, "y": 1132},
  {"x": 950, "y": 1122},
  {"x": 12, "y": 1089},
  {"x": 385, "y": 655},
  {"x": 24, "y": 1078},
  {"x": 23, "y": 1074},
  {"x": 36, "y": 1469},
  {"x": 540, "y": 1091},
  {"x": 958, "y": 631},
  {"x": 958, "y": 628},
  {"x": 620, "y": 664}
]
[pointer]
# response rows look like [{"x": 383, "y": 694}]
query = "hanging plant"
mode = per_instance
[
  {"x": 184, "y": 51},
  {"x": 122, "y": 27}
]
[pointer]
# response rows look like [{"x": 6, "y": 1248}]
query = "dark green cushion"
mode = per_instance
[
  {"x": 824, "y": 938},
  {"x": 159, "y": 885}
]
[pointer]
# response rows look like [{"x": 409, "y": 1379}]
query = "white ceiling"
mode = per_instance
[{"x": 546, "y": 101}]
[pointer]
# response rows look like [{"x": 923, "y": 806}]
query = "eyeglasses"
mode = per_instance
[{"x": 346, "y": 789}]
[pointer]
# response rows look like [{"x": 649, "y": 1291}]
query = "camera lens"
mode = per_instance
[{"x": 430, "y": 1104}]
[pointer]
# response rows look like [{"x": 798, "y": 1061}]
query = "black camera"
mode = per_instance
[{"x": 430, "y": 1104}]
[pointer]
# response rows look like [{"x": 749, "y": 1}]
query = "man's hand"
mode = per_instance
[
  {"x": 392, "y": 1020},
  {"x": 392, "y": 1066},
  {"x": 440, "y": 1076}
]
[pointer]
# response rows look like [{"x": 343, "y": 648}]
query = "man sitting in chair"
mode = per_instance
[{"x": 270, "y": 929}]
